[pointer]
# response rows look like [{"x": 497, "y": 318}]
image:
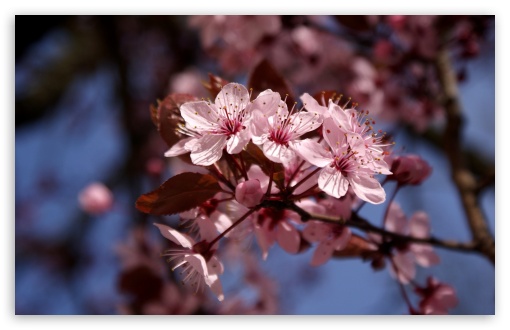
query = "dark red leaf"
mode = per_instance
[
  {"x": 214, "y": 85},
  {"x": 178, "y": 194},
  {"x": 264, "y": 76},
  {"x": 167, "y": 116}
]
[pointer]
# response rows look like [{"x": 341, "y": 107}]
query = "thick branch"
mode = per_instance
[{"x": 462, "y": 177}]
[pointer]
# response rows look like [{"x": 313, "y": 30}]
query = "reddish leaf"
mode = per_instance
[
  {"x": 264, "y": 76},
  {"x": 214, "y": 85},
  {"x": 167, "y": 116},
  {"x": 358, "y": 247},
  {"x": 178, "y": 194}
]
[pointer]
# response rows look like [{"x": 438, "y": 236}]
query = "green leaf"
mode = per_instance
[{"x": 178, "y": 194}]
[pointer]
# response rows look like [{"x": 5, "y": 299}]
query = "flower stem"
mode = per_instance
[{"x": 241, "y": 219}]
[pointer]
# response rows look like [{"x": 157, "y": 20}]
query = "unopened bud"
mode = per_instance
[{"x": 249, "y": 193}]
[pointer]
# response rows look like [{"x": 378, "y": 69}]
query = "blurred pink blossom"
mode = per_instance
[{"x": 96, "y": 198}]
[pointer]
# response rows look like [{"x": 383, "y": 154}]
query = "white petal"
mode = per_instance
[
  {"x": 175, "y": 236},
  {"x": 367, "y": 188},
  {"x": 332, "y": 182},
  {"x": 208, "y": 149}
]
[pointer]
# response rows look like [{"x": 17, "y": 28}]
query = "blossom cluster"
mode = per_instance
[{"x": 268, "y": 169}]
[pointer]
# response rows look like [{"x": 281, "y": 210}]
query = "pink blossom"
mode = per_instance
[
  {"x": 272, "y": 225},
  {"x": 199, "y": 264},
  {"x": 249, "y": 193},
  {"x": 331, "y": 237},
  {"x": 96, "y": 198},
  {"x": 212, "y": 127},
  {"x": 410, "y": 169},
  {"x": 361, "y": 136},
  {"x": 437, "y": 297},
  {"x": 408, "y": 255},
  {"x": 341, "y": 165},
  {"x": 277, "y": 129}
]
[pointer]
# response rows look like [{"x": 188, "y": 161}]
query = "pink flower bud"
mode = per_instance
[
  {"x": 96, "y": 198},
  {"x": 249, "y": 193},
  {"x": 410, "y": 169}
]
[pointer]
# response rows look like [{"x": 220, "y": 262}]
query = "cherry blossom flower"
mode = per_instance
[
  {"x": 199, "y": 264},
  {"x": 277, "y": 129},
  {"x": 341, "y": 166},
  {"x": 95, "y": 199},
  {"x": 212, "y": 127},
  {"x": 272, "y": 225},
  {"x": 358, "y": 126},
  {"x": 437, "y": 297},
  {"x": 407, "y": 255},
  {"x": 331, "y": 237}
]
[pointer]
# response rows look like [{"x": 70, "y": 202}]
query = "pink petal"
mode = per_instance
[
  {"x": 265, "y": 240},
  {"x": 419, "y": 225},
  {"x": 208, "y": 150},
  {"x": 341, "y": 118},
  {"x": 322, "y": 253},
  {"x": 288, "y": 237},
  {"x": 221, "y": 221},
  {"x": 356, "y": 143},
  {"x": 259, "y": 127},
  {"x": 341, "y": 241},
  {"x": 206, "y": 228},
  {"x": 199, "y": 115},
  {"x": 312, "y": 152},
  {"x": 332, "y": 182},
  {"x": 232, "y": 95},
  {"x": 266, "y": 102},
  {"x": 334, "y": 136},
  {"x": 238, "y": 141},
  {"x": 396, "y": 221},
  {"x": 406, "y": 270},
  {"x": 424, "y": 255},
  {"x": 178, "y": 148},
  {"x": 305, "y": 122},
  {"x": 367, "y": 188},
  {"x": 276, "y": 152},
  {"x": 198, "y": 263},
  {"x": 312, "y": 105},
  {"x": 316, "y": 231},
  {"x": 175, "y": 236},
  {"x": 216, "y": 287}
]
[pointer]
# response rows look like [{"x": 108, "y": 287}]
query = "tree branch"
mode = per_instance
[{"x": 463, "y": 178}]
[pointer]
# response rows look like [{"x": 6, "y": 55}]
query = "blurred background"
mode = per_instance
[{"x": 83, "y": 88}]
